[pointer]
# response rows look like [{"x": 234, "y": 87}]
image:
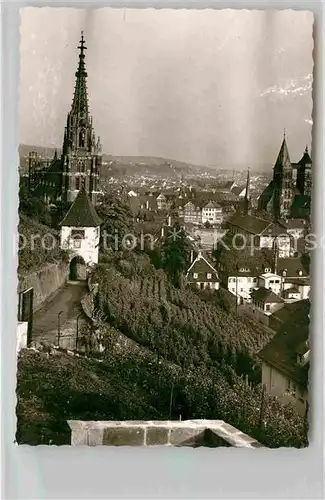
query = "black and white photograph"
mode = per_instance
[{"x": 165, "y": 232}]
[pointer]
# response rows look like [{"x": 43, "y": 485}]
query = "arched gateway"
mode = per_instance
[{"x": 77, "y": 269}]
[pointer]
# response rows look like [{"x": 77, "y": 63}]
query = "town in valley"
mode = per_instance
[{"x": 157, "y": 291}]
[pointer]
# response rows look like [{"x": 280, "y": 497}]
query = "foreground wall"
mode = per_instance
[
  {"x": 45, "y": 281},
  {"x": 193, "y": 433}
]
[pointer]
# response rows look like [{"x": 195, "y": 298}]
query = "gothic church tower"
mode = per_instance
[
  {"x": 81, "y": 154},
  {"x": 283, "y": 183}
]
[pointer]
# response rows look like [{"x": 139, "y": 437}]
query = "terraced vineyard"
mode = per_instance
[{"x": 149, "y": 309}]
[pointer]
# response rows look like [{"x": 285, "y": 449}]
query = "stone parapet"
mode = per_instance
[{"x": 193, "y": 433}]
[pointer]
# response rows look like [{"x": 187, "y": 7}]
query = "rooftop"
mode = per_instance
[
  {"x": 281, "y": 351},
  {"x": 82, "y": 212},
  {"x": 266, "y": 295}
]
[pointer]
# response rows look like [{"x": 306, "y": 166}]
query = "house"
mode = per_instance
[
  {"x": 212, "y": 213},
  {"x": 162, "y": 202},
  {"x": 265, "y": 301},
  {"x": 260, "y": 233},
  {"x": 270, "y": 281},
  {"x": 295, "y": 227},
  {"x": 239, "y": 270},
  {"x": 202, "y": 274},
  {"x": 80, "y": 234},
  {"x": 192, "y": 213},
  {"x": 295, "y": 275},
  {"x": 285, "y": 360}
]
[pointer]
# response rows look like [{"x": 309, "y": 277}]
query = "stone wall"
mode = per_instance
[
  {"x": 193, "y": 433},
  {"x": 45, "y": 282}
]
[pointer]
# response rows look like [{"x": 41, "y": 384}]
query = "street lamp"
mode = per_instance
[
  {"x": 59, "y": 314},
  {"x": 77, "y": 332}
]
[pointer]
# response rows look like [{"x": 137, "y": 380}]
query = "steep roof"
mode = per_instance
[
  {"x": 201, "y": 266},
  {"x": 238, "y": 189},
  {"x": 283, "y": 159},
  {"x": 305, "y": 160},
  {"x": 249, "y": 223},
  {"x": 265, "y": 295},
  {"x": 281, "y": 351},
  {"x": 292, "y": 266},
  {"x": 82, "y": 212}
]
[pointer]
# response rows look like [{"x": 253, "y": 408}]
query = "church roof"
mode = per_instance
[{"x": 82, "y": 212}]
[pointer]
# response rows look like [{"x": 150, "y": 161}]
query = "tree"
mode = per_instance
[
  {"x": 33, "y": 207},
  {"x": 175, "y": 253},
  {"x": 117, "y": 222}
]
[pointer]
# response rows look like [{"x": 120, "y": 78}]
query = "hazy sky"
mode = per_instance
[{"x": 208, "y": 87}]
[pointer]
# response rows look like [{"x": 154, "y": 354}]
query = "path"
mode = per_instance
[{"x": 67, "y": 299}]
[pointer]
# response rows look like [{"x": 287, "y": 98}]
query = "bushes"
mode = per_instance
[
  {"x": 133, "y": 384},
  {"x": 38, "y": 245}
]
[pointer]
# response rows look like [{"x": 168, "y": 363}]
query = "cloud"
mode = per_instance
[{"x": 293, "y": 87}]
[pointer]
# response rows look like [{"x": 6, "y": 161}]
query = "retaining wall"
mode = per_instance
[{"x": 45, "y": 281}]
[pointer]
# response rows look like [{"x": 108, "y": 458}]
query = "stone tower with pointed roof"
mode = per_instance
[
  {"x": 282, "y": 178},
  {"x": 304, "y": 174},
  {"x": 80, "y": 229},
  {"x": 278, "y": 195},
  {"x": 81, "y": 153}
]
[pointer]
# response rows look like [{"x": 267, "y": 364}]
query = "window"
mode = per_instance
[
  {"x": 267, "y": 270},
  {"x": 78, "y": 233},
  {"x": 267, "y": 307},
  {"x": 209, "y": 276},
  {"x": 195, "y": 276},
  {"x": 77, "y": 183},
  {"x": 82, "y": 138}
]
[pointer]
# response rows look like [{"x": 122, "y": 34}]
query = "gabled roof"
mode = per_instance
[
  {"x": 212, "y": 204},
  {"x": 201, "y": 266},
  {"x": 294, "y": 223},
  {"x": 237, "y": 190},
  {"x": 281, "y": 351},
  {"x": 292, "y": 266},
  {"x": 264, "y": 295},
  {"x": 82, "y": 212}
]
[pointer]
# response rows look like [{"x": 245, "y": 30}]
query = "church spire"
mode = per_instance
[
  {"x": 247, "y": 195},
  {"x": 80, "y": 98},
  {"x": 283, "y": 159}
]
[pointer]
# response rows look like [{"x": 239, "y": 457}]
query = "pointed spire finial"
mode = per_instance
[
  {"x": 284, "y": 133},
  {"x": 306, "y": 150}
]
